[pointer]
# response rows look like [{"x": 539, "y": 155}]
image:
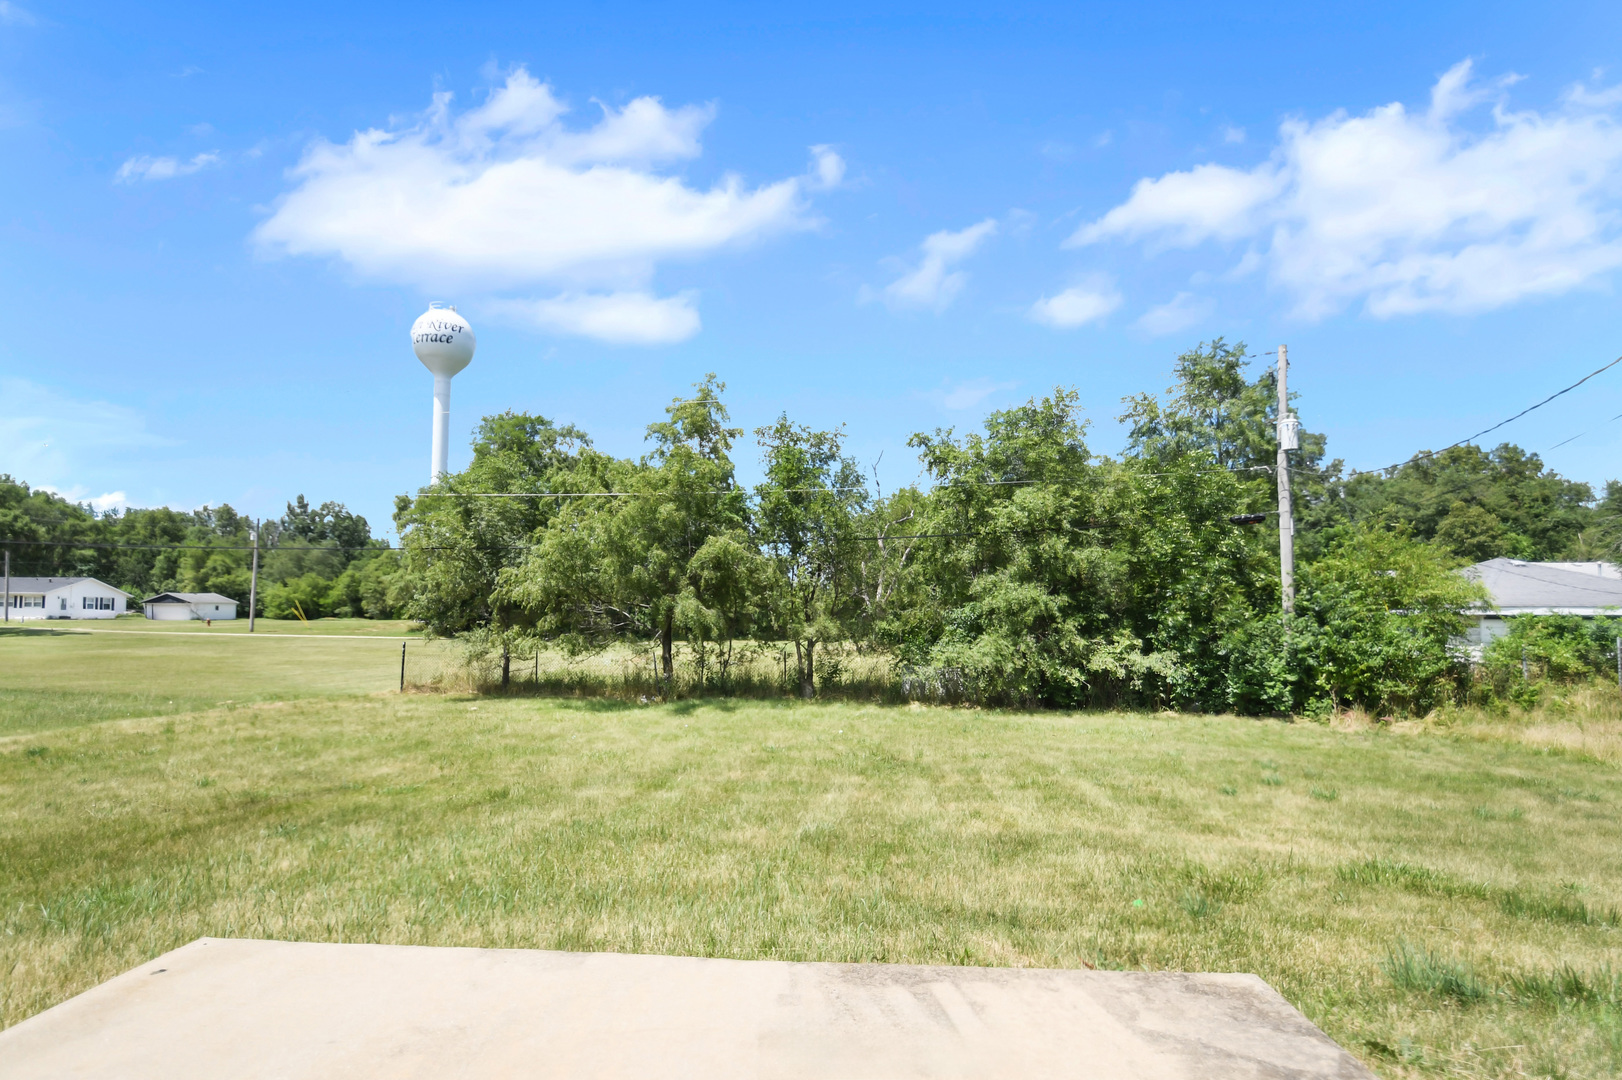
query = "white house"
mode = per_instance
[
  {"x": 190, "y": 605},
  {"x": 63, "y": 598},
  {"x": 1584, "y": 589}
]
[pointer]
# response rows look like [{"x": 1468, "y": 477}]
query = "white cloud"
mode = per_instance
[
  {"x": 621, "y": 318},
  {"x": 504, "y": 196},
  {"x": 112, "y": 500},
  {"x": 933, "y": 283},
  {"x": 1179, "y": 313},
  {"x": 1187, "y": 208},
  {"x": 1077, "y": 305},
  {"x": 827, "y": 167},
  {"x": 966, "y": 395},
  {"x": 12, "y": 15},
  {"x": 1232, "y": 134},
  {"x": 162, "y": 168},
  {"x": 1409, "y": 212}
]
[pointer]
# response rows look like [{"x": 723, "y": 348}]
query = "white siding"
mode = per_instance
[
  {"x": 26, "y": 606},
  {"x": 79, "y": 600},
  {"x": 224, "y": 609},
  {"x": 85, "y": 600},
  {"x": 169, "y": 612}
]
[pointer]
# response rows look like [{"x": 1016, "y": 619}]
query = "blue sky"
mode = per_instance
[{"x": 217, "y": 224}]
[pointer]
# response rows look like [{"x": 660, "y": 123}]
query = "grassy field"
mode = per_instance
[
  {"x": 1442, "y": 904},
  {"x": 60, "y": 674}
]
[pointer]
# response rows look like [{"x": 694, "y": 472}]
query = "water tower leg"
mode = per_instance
[{"x": 442, "y": 427}]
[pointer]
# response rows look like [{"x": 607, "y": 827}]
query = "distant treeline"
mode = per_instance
[
  {"x": 318, "y": 561},
  {"x": 1023, "y": 568}
]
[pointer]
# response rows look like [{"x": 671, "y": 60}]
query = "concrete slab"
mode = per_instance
[{"x": 291, "y": 1011}]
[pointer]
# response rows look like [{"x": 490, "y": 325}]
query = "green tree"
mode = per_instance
[
  {"x": 305, "y": 595},
  {"x": 1475, "y": 504},
  {"x": 1600, "y": 539},
  {"x": 42, "y": 528},
  {"x": 1070, "y": 579},
  {"x": 456, "y": 542},
  {"x": 1554, "y": 648},
  {"x": 1377, "y": 622},
  {"x": 805, "y": 518},
  {"x": 1214, "y": 409},
  {"x": 667, "y": 551}
]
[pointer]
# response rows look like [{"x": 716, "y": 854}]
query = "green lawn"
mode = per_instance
[
  {"x": 1441, "y": 906},
  {"x": 395, "y": 628},
  {"x": 59, "y": 674}
]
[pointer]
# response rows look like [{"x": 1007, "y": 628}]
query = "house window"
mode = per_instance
[{"x": 64, "y": 602}]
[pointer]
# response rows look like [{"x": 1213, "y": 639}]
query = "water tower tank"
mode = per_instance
[{"x": 444, "y": 342}]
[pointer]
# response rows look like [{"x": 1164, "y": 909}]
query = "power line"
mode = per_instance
[
  {"x": 1501, "y": 423},
  {"x": 1580, "y": 434},
  {"x": 740, "y": 490},
  {"x": 181, "y": 547}
]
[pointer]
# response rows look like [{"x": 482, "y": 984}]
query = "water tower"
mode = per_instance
[{"x": 444, "y": 342}]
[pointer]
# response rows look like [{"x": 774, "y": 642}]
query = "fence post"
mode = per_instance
[
  {"x": 402, "y": 667},
  {"x": 1619, "y": 663}
]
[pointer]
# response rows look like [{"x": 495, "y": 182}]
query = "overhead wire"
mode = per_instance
[
  {"x": 1501, "y": 423},
  {"x": 267, "y": 548},
  {"x": 752, "y": 493},
  {"x": 1580, "y": 434}
]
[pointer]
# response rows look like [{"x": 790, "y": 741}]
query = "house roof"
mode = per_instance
[
  {"x": 188, "y": 598},
  {"x": 1525, "y": 588},
  {"x": 51, "y": 584}
]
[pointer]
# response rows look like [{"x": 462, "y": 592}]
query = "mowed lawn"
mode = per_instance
[
  {"x": 1441, "y": 906},
  {"x": 119, "y": 668}
]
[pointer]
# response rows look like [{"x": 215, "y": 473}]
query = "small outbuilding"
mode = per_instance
[
  {"x": 62, "y": 598},
  {"x": 189, "y": 605},
  {"x": 1585, "y": 589}
]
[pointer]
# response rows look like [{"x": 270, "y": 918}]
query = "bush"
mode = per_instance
[
  {"x": 306, "y": 595},
  {"x": 1374, "y": 623},
  {"x": 1557, "y": 648}
]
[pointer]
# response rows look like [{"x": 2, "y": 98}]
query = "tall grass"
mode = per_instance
[
  {"x": 1417, "y": 969},
  {"x": 631, "y": 672},
  {"x": 1511, "y": 901},
  {"x": 1422, "y": 970}
]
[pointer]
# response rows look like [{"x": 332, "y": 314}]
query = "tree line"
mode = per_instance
[
  {"x": 314, "y": 561},
  {"x": 1022, "y": 568},
  {"x": 1025, "y": 568}
]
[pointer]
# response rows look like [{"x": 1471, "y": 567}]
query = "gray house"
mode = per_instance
[{"x": 1585, "y": 589}]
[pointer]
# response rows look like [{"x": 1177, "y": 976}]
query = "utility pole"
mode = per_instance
[
  {"x": 1289, "y": 438},
  {"x": 253, "y": 582},
  {"x": 8, "y": 590}
]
